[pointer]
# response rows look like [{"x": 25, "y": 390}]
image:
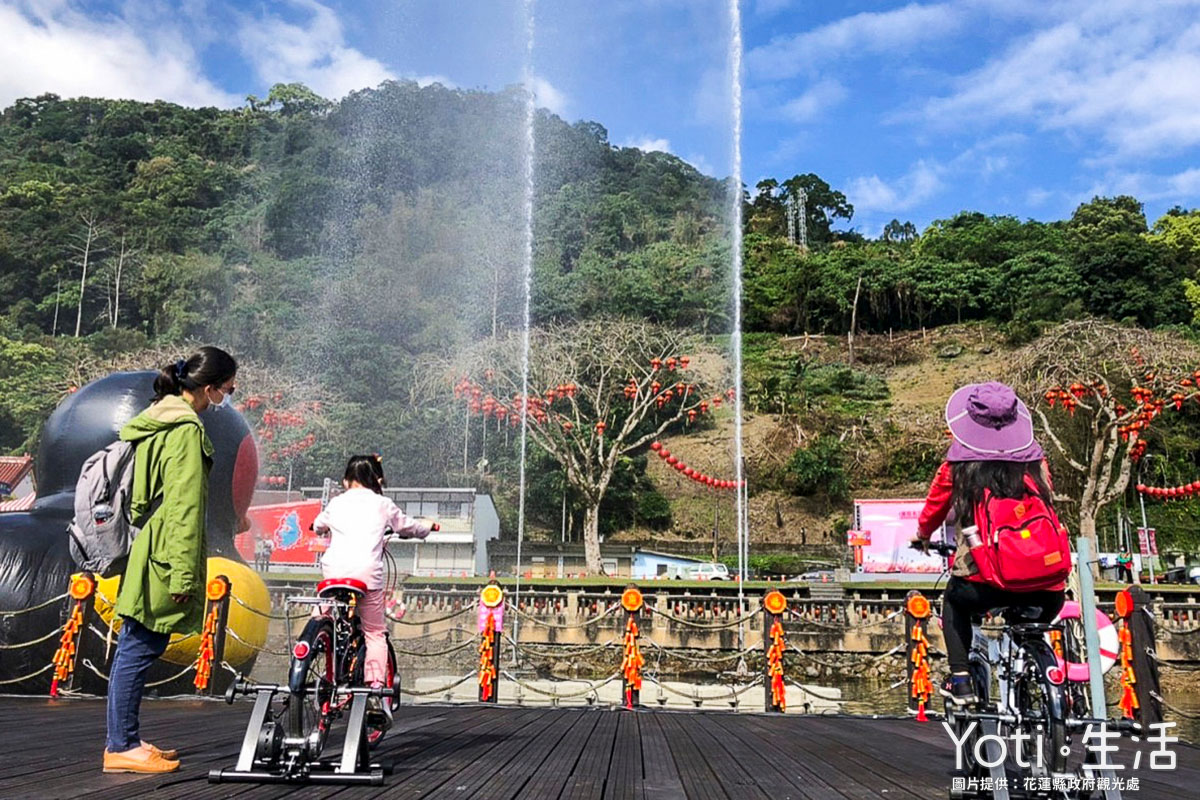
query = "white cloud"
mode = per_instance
[
  {"x": 870, "y": 32},
  {"x": 819, "y": 97},
  {"x": 314, "y": 53},
  {"x": 871, "y": 194},
  {"x": 648, "y": 145},
  {"x": 1127, "y": 74},
  {"x": 51, "y": 47},
  {"x": 548, "y": 97}
]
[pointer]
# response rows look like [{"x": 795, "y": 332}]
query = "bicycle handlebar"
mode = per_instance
[{"x": 944, "y": 549}]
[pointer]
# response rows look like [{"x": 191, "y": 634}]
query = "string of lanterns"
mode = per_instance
[{"x": 694, "y": 474}]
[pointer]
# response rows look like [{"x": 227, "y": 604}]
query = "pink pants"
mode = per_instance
[
  {"x": 371, "y": 616},
  {"x": 374, "y": 626}
]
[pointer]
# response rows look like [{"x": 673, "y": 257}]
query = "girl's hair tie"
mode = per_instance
[{"x": 180, "y": 369}]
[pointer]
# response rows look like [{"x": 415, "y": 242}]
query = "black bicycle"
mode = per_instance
[{"x": 1024, "y": 700}]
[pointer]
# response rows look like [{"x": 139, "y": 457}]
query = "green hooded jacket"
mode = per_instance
[{"x": 169, "y": 555}]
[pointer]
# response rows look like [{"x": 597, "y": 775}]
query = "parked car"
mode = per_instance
[
  {"x": 815, "y": 576},
  {"x": 1181, "y": 575},
  {"x": 701, "y": 572}
]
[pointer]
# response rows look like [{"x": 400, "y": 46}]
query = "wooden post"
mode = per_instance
[
  {"x": 632, "y": 660},
  {"x": 1139, "y": 669},
  {"x": 774, "y": 690},
  {"x": 491, "y": 623},
  {"x": 916, "y": 611},
  {"x": 212, "y": 636},
  {"x": 219, "y": 637},
  {"x": 80, "y": 592}
]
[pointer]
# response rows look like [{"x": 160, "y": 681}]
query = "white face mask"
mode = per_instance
[{"x": 224, "y": 401}]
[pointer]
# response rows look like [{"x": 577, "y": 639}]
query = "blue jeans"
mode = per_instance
[{"x": 137, "y": 648}]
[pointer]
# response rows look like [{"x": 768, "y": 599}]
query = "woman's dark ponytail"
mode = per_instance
[{"x": 208, "y": 366}]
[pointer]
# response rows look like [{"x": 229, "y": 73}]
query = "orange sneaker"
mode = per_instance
[
  {"x": 139, "y": 760},
  {"x": 167, "y": 754}
]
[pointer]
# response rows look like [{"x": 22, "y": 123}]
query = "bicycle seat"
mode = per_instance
[{"x": 331, "y": 587}]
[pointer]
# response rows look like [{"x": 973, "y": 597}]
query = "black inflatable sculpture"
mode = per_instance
[{"x": 35, "y": 564}]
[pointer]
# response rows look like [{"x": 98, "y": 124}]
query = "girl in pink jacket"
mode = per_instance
[{"x": 358, "y": 520}]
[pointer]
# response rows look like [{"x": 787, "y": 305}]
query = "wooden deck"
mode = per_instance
[{"x": 53, "y": 750}]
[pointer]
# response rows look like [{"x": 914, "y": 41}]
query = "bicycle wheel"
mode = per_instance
[
  {"x": 1042, "y": 705},
  {"x": 1074, "y": 645},
  {"x": 311, "y": 682}
]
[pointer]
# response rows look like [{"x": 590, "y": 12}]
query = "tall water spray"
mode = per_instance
[
  {"x": 530, "y": 113},
  {"x": 735, "y": 78}
]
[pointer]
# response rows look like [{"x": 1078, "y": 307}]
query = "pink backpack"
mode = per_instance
[{"x": 1023, "y": 546}]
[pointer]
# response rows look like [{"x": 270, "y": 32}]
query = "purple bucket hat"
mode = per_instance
[{"x": 989, "y": 423}]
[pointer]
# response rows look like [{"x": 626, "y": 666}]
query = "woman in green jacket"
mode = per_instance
[{"x": 162, "y": 590}]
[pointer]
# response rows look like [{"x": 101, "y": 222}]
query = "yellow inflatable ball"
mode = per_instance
[{"x": 250, "y": 627}]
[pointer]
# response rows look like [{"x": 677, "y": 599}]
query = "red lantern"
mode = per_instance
[
  {"x": 1195, "y": 486},
  {"x": 568, "y": 425},
  {"x": 656, "y": 446},
  {"x": 671, "y": 362},
  {"x": 680, "y": 466},
  {"x": 691, "y": 473},
  {"x": 684, "y": 361},
  {"x": 664, "y": 453},
  {"x": 691, "y": 415},
  {"x": 600, "y": 426},
  {"x": 672, "y": 460},
  {"x": 655, "y": 363},
  {"x": 704, "y": 407}
]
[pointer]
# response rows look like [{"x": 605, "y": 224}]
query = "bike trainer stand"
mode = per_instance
[{"x": 264, "y": 757}]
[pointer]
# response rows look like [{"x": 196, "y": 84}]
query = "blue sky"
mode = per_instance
[{"x": 915, "y": 110}]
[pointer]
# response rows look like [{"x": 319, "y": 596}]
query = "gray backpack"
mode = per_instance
[{"x": 102, "y": 530}]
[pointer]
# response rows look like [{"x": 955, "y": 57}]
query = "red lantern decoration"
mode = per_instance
[
  {"x": 684, "y": 361},
  {"x": 656, "y": 446},
  {"x": 664, "y": 453},
  {"x": 671, "y": 362},
  {"x": 655, "y": 363},
  {"x": 600, "y": 426},
  {"x": 680, "y": 466},
  {"x": 691, "y": 473},
  {"x": 672, "y": 460},
  {"x": 568, "y": 425},
  {"x": 691, "y": 415}
]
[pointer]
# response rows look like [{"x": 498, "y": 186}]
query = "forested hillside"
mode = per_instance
[{"x": 344, "y": 249}]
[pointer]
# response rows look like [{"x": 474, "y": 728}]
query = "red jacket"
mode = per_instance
[{"x": 937, "y": 502}]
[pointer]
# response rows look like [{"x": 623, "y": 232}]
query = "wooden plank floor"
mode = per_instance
[{"x": 53, "y": 750}]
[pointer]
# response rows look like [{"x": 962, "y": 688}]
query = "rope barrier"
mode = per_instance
[
  {"x": 254, "y": 610},
  {"x": 32, "y": 642},
  {"x": 46, "y": 668},
  {"x": 564, "y": 649},
  {"x": 458, "y": 682},
  {"x": 259, "y": 648},
  {"x": 1179, "y": 667},
  {"x": 19, "y": 611},
  {"x": 562, "y": 626},
  {"x": 432, "y": 634},
  {"x": 858, "y": 659},
  {"x": 452, "y": 615},
  {"x": 454, "y": 649},
  {"x": 592, "y": 687},
  {"x": 1175, "y": 709},
  {"x": 96, "y": 670},
  {"x": 1184, "y": 632},
  {"x": 704, "y": 659},
  {"x": 697, "y": 696},
  {"x": 844, "y": 626},
  {"x": 704, "y": 625}
]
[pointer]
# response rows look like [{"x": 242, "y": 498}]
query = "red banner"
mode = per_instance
[{"x": 285, "y": 527}]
